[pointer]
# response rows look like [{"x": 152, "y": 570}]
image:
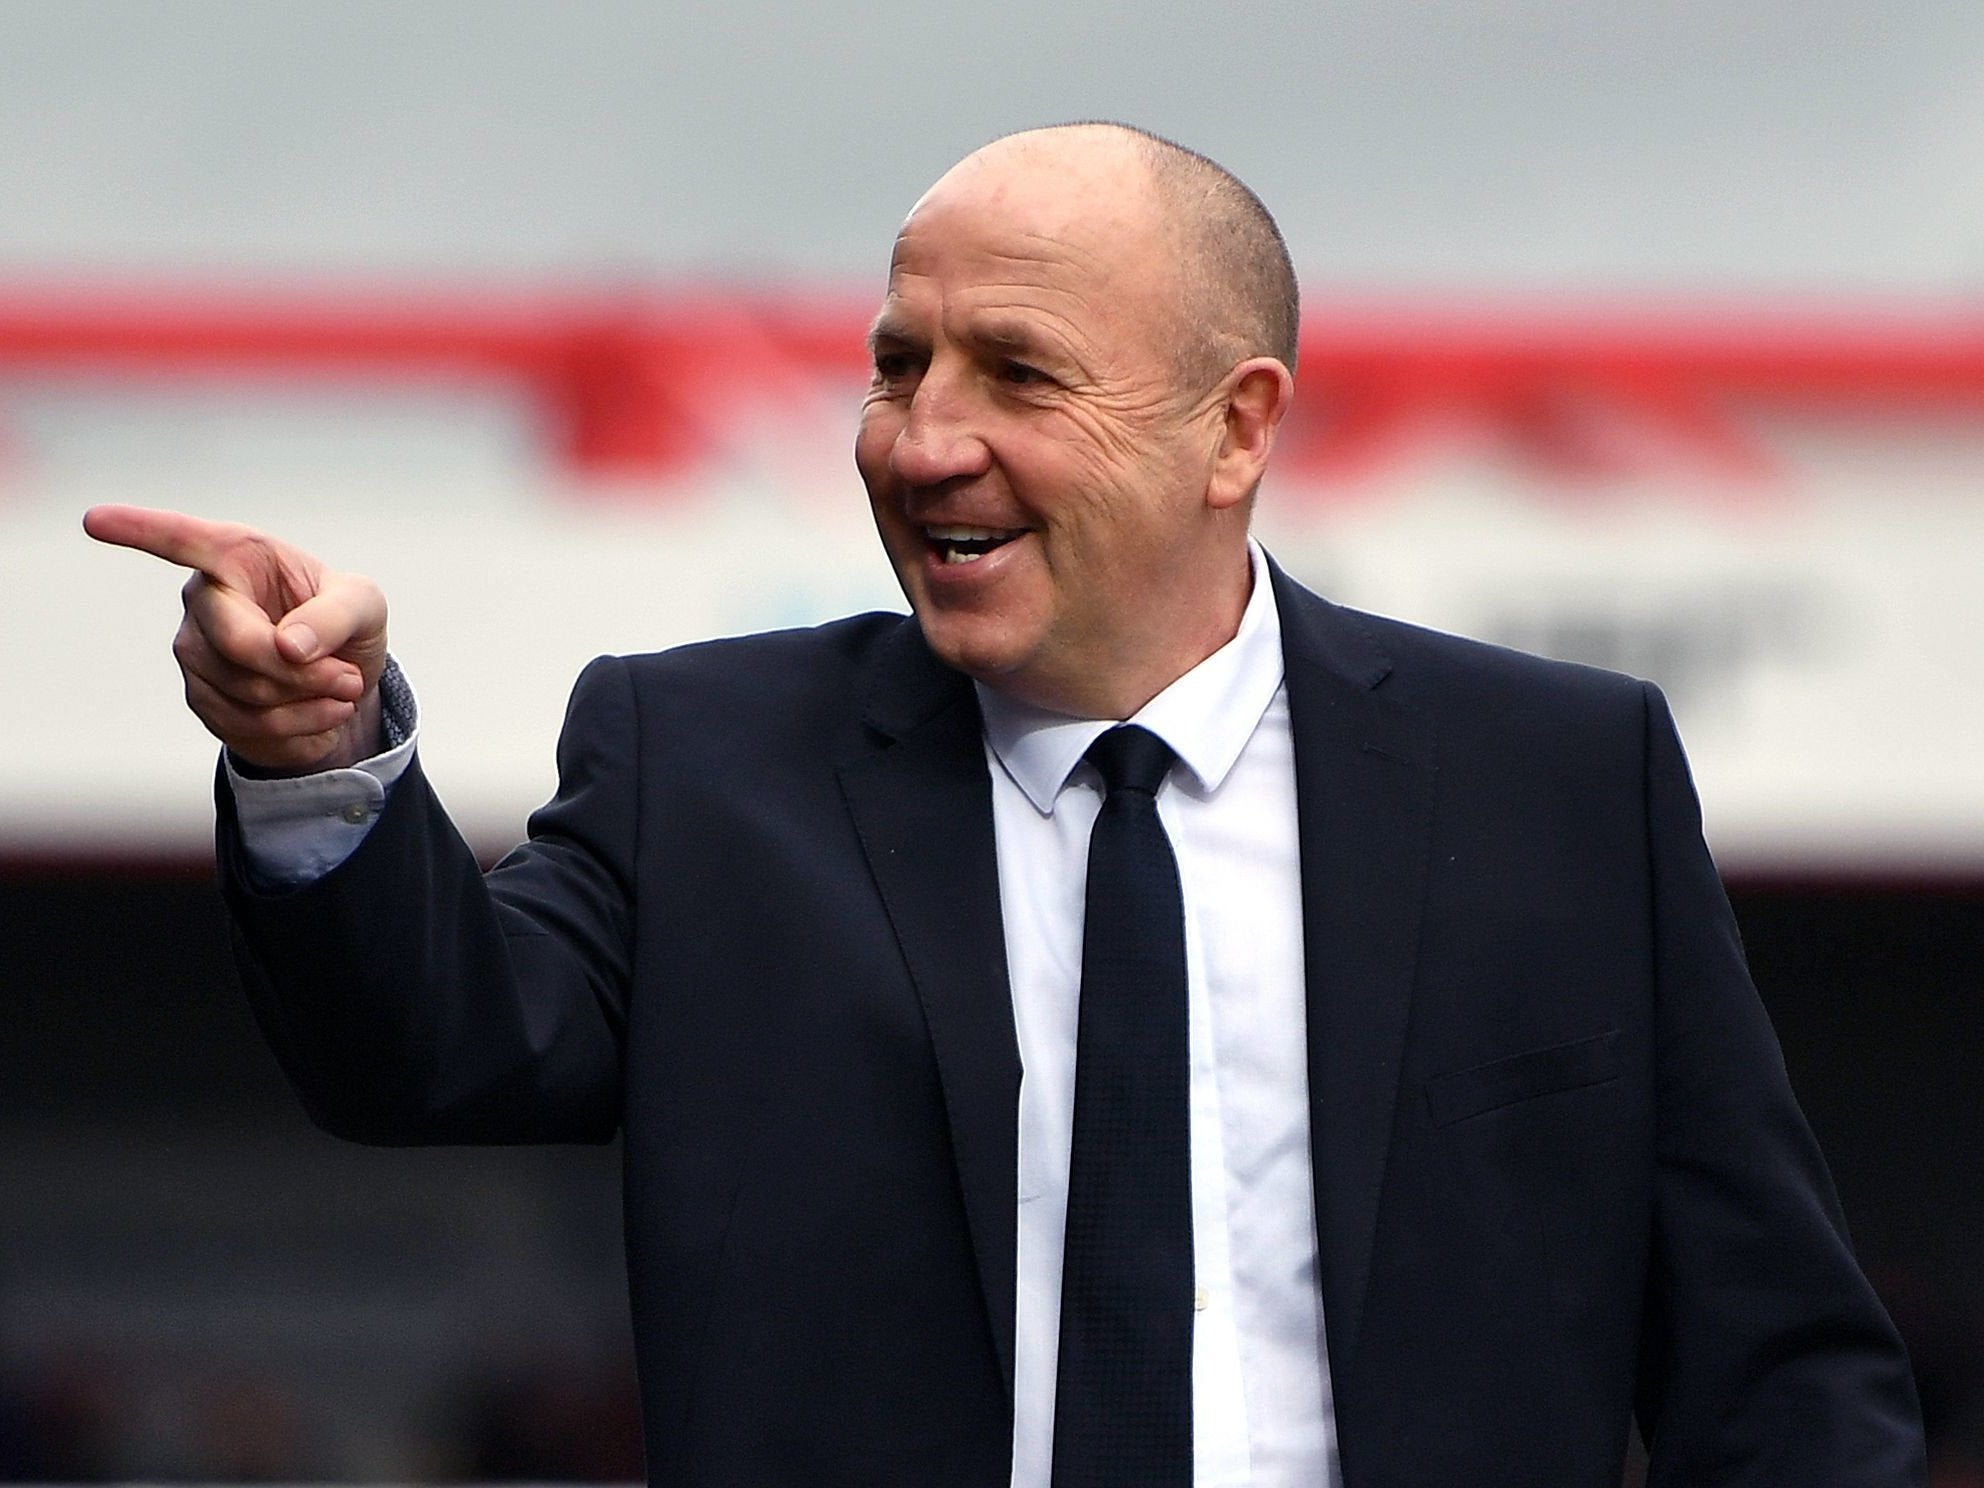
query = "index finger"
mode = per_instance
[{"x": 190, "y": 542}]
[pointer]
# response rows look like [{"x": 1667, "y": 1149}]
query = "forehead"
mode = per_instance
[{"x": 1066, "y": 240}]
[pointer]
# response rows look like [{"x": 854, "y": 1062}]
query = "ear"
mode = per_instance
[{"x": 1255, "y": 395}]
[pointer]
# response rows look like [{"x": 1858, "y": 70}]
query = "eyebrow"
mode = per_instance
[
  {"x": 1001, "y": 334},
  {"x": 1013, "y": 336},
  {"x": 887, "y": 328}
]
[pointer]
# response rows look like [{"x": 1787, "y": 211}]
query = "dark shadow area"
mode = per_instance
[
  {"x": 195, "y": 1284},
  {"x": 1878, "y": 997}
]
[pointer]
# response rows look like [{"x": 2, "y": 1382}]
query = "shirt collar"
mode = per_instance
[{"x": 1206, "y": 716}]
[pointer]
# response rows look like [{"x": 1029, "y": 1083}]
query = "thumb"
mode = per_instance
[{"x": 345, "y": 618}]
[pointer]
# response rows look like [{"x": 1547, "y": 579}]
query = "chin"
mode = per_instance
[{"x": 970, "y": 646}]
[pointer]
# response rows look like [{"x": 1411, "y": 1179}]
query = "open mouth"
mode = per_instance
[{"x": 956, "y": 544}]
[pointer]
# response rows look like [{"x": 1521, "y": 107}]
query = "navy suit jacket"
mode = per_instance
[{"x": 1559, "y": 1173}]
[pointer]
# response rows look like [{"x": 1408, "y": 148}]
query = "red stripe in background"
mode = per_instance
[{"x": 639, "y": 385}]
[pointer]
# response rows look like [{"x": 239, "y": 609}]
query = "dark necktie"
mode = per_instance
[{"x": 1123, "y": 1396}]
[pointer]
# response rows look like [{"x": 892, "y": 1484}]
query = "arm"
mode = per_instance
[
  {"x": 410, "y": 999},
  {"x": 1767, "y": 1358}
]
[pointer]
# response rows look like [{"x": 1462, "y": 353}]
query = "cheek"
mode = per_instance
[
  {"x": 1112, "y": 456},
  {"x": 874, "y": 437},
  {"x": 1113, "y": 506},
  {"x": 1078, "y": 488}
]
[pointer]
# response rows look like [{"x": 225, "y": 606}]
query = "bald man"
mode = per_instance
[{"x": 1471, "y": 1140}]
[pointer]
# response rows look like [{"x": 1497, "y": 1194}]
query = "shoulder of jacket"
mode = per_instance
[{"x": 1457, "y": 665}]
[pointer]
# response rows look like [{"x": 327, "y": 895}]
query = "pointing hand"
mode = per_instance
[{"x": 281, "y": 655}]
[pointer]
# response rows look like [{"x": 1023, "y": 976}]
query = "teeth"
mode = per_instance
[
  {"x": 969, "y": 534},
  {"x": 959, "y": 542}
]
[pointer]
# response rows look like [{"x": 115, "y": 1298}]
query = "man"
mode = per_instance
[{"x": 1488, "y": 1143}]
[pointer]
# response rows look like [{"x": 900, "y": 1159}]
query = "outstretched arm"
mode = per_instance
[{"x": 407, "y": 1002}]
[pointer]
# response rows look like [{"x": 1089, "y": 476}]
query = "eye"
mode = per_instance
[
  {"x": 1020, "y": 374},
  {"x": 894, "y": 365}
]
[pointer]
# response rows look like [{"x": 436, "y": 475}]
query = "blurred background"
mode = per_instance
[{"x": 1647, "y": 335}]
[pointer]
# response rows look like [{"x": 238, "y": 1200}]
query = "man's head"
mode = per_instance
[
  {"x": 1079, "y": 369},
  {"x": 1238, "y": 292}
]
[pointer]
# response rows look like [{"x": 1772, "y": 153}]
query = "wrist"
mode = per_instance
[{"x": 361, "y": 736}]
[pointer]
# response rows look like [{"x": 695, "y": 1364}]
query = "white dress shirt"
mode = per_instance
[{"x": 1260, "y": 1377}]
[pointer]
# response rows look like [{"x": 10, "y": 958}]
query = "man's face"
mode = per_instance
[{"x": 1037, "y": 475}]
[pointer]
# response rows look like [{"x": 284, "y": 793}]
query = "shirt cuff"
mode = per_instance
[{"x": 297, "y": 829}]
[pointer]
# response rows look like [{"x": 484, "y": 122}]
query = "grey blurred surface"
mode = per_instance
[{"x": 1780, "y": 144}]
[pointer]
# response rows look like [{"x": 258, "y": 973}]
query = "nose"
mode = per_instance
[{"x": 939, "y": 439}]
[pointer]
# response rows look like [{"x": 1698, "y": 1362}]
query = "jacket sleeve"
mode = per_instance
[
  {"x": 412, "y": 999},
  {"x": 1767, "y": 1358}
]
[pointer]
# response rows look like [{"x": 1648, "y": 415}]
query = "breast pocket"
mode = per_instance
[{"x": 1459, "y": 1094}]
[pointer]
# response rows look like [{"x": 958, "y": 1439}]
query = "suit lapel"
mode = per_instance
[
  {"x": 922, "y": 806},
  {"x": 1364, "y": 788}
]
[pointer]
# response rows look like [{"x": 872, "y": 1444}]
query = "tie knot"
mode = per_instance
[{"x": 1131, "y": 758}]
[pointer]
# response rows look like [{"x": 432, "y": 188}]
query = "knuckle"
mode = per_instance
[{"x": 258, "y": 692}]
